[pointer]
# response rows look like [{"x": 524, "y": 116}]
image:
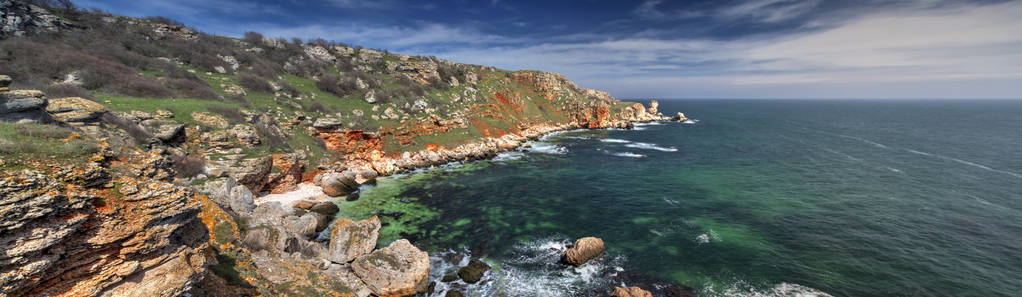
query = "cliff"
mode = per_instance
[{"x": 134, "y": 168}]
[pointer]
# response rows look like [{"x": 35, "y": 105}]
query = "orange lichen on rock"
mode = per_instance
[{"x": 288, "y": 176}]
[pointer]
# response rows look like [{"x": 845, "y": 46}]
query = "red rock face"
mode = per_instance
[
  {"x": 350, "y": 141},
  {"x": 64, "y": 234},
  {"x": 286, "y": 176}
]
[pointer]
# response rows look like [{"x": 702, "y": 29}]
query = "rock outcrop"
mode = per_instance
[
  {"x": 350, "y": 240},
  {"x": 75, "y": 110},
  {"x": 399, "y": 269},
  {"x": 583, "y": 250},
  {"x": 65, "y": 232},
  {"x": 19, "y": 19},
  {"x": 23, "y": 106}
]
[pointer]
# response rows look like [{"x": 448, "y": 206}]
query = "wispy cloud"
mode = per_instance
[{"x": 948, "y": 44}]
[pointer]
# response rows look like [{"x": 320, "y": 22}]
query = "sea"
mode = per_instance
[{"x": 749, "y": 198}]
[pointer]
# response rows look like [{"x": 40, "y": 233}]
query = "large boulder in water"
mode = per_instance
[
  {"x": 474, "y": 271},
  {"x": 349, "y": 240},
  {"x": 583, "y": 250},
  {"x": 399, "y": 269},
  {"x": 338, "y": 184},
  {"x": 630, "y": 292}
]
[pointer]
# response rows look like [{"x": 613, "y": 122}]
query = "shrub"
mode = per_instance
[
  {"x": 164, "y": 20},
  {"x": 289, "y": 89},
  {"x": 232, "y": 114},
  {"x": 254, "y": 83},
  {"x": 186, "y": 88},
  {"x": 254, "y": 38},
  {"x": 266, "y": 69},
  {"x": 66, "y": 90},
  {"x": 240, "y": 99},
  {"x": 187, "y": 167}
]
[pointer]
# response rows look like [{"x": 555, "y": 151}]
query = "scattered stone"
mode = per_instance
[
  {"x": 474, "y": 271},
  {"x": 449, "y": 278},
  {"x": 583, "y": 250},
  {"x": 163, "y": 114},
  {"x": 370, "y": 97},
  {"x": 399, "y": 269},
  {"x": 211, "y": 120},
  {"x": 349, "y": 240}
]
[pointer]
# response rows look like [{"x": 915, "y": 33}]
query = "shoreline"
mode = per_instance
[{"x": 351, "y": 174}]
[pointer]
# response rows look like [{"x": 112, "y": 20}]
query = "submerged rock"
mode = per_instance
[
  {"x": 399, "y": 269},
  {"x": 349, "y": 240},
  {"x": 474, "y": 271},
  {"x": 454, "y": 293},
  {"x": 583, "y": 250}
]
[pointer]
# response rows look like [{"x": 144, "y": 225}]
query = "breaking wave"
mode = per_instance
[
  {"x": 545, "y": 148},
  {"x": 614, "y": 140},
  {"x": 650, "y": 146},
  {"x": 533, "y": 269}
]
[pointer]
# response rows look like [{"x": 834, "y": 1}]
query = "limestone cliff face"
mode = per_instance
[
  {"x": 76, "y": 231},
  {"x": 18, "y": 19}
]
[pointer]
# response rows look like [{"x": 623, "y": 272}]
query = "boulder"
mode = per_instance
[
  {"x": 474, "y": 271},
  {"x": 23, "y": 106},
  {"x": 327, "y": 123},
  {"x": 365, "y": 176},
  {"x": 399, "y": 269},
  {"x": 630, "y": 292},
  {"x": 370, "y": 97},
  {"x": 326, "y": 208},
  {"x": 75, "y": 109},
  {"x": 454, "y": 293},
  {"x": 304, "y": 225},
  {"x": 583, "y": 250},
  {"x": 338, "y": 184},
  {"x": 680, "y": 117},
  {"x": 252, "y": 172},
  {"x": 241, "y": 200},
  {"x": 349, "y": 240}
]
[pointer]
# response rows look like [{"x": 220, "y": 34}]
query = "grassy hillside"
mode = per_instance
[{"x": 410, "y": 102}]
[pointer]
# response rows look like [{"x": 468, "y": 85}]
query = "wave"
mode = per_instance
[
  {"x": 647, "y": 124},
  {"x": 614, "y": 140},
  {"x": 545, "y": 148},
  {"x": 650, "y": 146},
  {"x": 532, "y": 270},
  {"x": 960, "y": 161},
  {"x": 508, "y": 156},
  {"x": 557, "y": 133},
  {"x": 742, "y": 289},
  {"x": 628, "y": 155},
  {"x": 690, "y": 121}
]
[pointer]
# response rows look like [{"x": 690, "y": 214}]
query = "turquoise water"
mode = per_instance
[{"x": 758, "y": 198}]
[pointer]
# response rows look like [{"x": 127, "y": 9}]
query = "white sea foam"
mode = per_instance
[
  {"x": 532, "y": 270},
  {"x": 742, "y": 289},
  {"x": 960, "y": 161},
  {"x": 690, "y": 121},
  {"x": 627, "y": 154},
  {"x": 508, "y": 156},
  {"x": 614, "y": 140},
  {"x": 703, "y": 238},
  {"x": 545, "y": 148},
  {"x": 557, "y": 133},
  {"x": 647, "y": 124},
  {"x": 650, "y": 146}
]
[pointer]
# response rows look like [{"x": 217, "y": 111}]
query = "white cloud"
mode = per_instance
[{"x": 961, "y": 46}]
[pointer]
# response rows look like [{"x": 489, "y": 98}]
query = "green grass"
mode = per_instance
[
  {"x": 25, "y": 142},
  {"x": 182, "y": 107}
]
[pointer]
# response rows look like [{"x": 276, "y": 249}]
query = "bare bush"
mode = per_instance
[
  {"x": 188, "y": 167},
  {"x": 254, "y": 83},
  {"x": 232, "y": 114},
  {"x": 254, "y": 38}
]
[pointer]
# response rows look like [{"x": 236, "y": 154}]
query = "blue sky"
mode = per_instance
[{"x": 668, "y": 49}]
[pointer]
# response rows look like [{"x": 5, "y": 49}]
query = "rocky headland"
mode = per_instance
[{"x": 212, "y": 166}]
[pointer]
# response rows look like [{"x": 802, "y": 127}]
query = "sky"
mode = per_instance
[{"x": 666, "y": 49}]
